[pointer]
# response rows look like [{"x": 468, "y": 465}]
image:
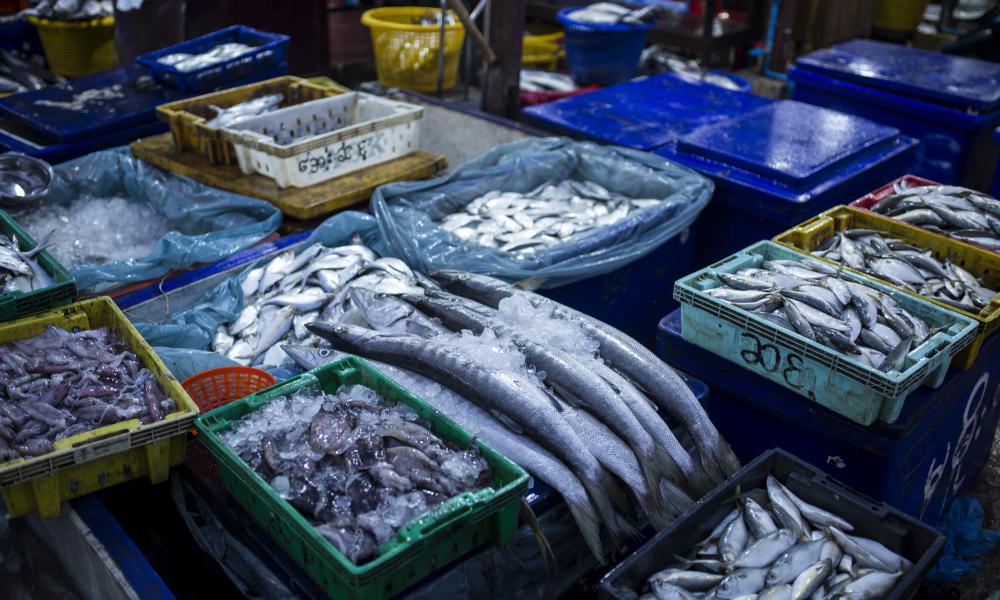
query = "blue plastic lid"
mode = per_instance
[
  {"x": 790, "y": 142},
  {"x": 130, "y": 106},
  {"x": 645, "y": 113},
  {"x": 949, "y": 80}
]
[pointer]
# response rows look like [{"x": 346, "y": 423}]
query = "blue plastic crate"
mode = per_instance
[
  {"x": 56, "y": 135},
  {"x": 21, "y": 38},
  {"x": 950, "y": 103},
  {"x": 271, "y": 51},
  {"x": 602, "y": 54},
  {"x": 644, "y": 114},
  {"x": 995, "y": 186},
  {"x": 810, "y": 369},
  {"x": 919, "y": 464},
  {"x": 775, "y": 164},
  {"x": 780, "y": 164},
  {"x": 634, "y": 297}
]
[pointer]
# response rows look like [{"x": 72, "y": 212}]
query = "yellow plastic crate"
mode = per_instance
[
  {"x": 407, "y": 53},
  {"x": 542, "y": 51},
  {"x": 188, "y": 118},
  {"x": 981, "y": 263},
  {"x": 105, "y": 456},
  {"x": 75, "y": 48}
]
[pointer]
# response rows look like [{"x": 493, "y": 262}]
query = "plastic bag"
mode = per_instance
[
  {"x": 207, "y": 224},
  {"x": 406, "y": 211},
  {"x": 183, "y": 340},
  {"x": 965, "y": 540}
]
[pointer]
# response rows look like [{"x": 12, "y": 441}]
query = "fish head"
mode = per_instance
[
  {"x": 310, "y": 358},
  {"x": 379, "y": 309}
]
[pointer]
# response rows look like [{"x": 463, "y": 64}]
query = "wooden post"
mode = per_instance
[{"x": 501, "y": 86}]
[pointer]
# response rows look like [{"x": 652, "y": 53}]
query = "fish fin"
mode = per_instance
[
  {"x": 420, "y": 329},
  {"x": 507, "y": 422},
  {"x": 607, "y": 495},
  {"x": 721, "y": 462},
  {"x": 589, "y": 523},
  {"x": 673, "y": 499},
  {"x": 544, "y": 548},
  {"x": 531, "y": 284}
]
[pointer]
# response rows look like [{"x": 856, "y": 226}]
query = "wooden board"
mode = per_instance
[{"x": 304, "y": 204}]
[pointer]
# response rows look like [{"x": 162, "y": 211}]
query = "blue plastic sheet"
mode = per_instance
[
  {"x": 207, "y": 224},
  {"x": 182, "y": 341},
  {"x": 406, "y": 212},
  {"x": 966, "y": 541}
]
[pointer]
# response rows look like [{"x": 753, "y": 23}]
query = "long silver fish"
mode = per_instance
[
  {"x": 625, "y": 355},
  {"x": 505, "y": 392}
]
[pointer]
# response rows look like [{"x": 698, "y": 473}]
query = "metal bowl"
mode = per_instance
[{"x": 24, "y": 180}]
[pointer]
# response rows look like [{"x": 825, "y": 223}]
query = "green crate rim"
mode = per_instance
[
  {"x": 22, "y": 304},
  {"x": 880, "y": 383},
  {"x": 407, "y": 542}
]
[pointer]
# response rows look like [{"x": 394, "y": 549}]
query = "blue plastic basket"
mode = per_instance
[
  {"x": 931, "y": 455},
  {"x": 271, "y": 51},
  {"x": 602, "y": 54}
]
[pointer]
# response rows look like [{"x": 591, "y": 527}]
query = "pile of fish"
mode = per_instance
[
  {"x": 545, "y": 81},
  {"x": 810, "y": 298},
  {"x": 359, "y": 467},
  {"x": 59, "y": 384},
  {"x": 71, "y": 10},
  {"x": 575, "y": 402},
  {"x": 958, "y": 212},
  {"x": 776, "y": 546},
  {"x": 184, "y": 62},
  {"x": 546, "y": 215},
  {"x": 93, "y": 230},
  {"x": 290, "y": 291},
  {"x": 908, "y": 267},
  {"x": 609, "y": 13},
  {"x": 19, "y": 272},
  {"x": 18, "y": 75},
  {"x": 657, "y": 59},
  {"x": 244, "y": 110},
  {"x": 433, "y": 17}
]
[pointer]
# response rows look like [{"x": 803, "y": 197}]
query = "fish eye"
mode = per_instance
[{"x": 324, "y": 352}]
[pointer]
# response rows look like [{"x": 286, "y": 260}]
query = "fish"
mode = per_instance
[
  {"x": 810, "y": 579},
  {"x": 869, "y": 553},
  {"x": 643, "y": 368},
  {"x": 759, "y": 521},
  {"x": 525, "y": 222},
  {"x": 503, "y": 392},
  {"x": 872, "y": 585},
  {"x": 847, "y": 316},
  {"x": 186, "y": 62},
  {"x": 765, "y": 550},
  {"x": 359, "y": 501},
  {"x": 959, "y": 212},
  {"x": 609, "y": 13},
  {"x": 734, "y": 539},
  {"x": 657, "y": 59},
  {"x": 70, "y": 10},
  {"x": 242, "y": 111},
  {"x": 533, "y": 80},
  {"x": 913, "y": 268},
  {"x": 62, "y": 383},
  {"x": 563, "y": 371}
]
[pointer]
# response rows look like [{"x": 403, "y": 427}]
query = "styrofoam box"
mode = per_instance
[{"x": 312, "y": 142}]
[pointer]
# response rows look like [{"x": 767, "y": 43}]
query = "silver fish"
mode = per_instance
[
  {"x": 766, "y": 550},
  {"x": 625, "y": 355},
  {"x": 810, "y": 579},
  {"x": 741, "y": 582}
]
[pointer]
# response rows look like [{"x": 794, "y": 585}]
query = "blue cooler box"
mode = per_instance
[
  {"x": 774, "y": 164},
  {"x": 950, "y": 103},
  {"x": 919, "y": 464}
]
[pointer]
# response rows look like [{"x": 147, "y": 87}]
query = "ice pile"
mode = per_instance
[
  {"x": 357, "y": 465},
  {"x": 94, "y": 231}
]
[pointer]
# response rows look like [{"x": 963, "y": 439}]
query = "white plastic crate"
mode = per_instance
[{"x": 312, "y": 142}]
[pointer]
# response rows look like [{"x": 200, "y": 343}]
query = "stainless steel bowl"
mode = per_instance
[{"x": 24, "y": 180}]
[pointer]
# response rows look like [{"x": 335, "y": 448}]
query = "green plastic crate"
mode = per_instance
[
  {"x": 452, "y": 530},
  {"x": 22, "y": 304},
  {"x": 860, "y": 393}
]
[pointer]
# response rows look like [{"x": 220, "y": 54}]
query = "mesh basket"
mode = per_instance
[
  {"x": 407, "y": 53},
  {"x": 217, "y": 387},
  {"x": 75, "y": 48}
]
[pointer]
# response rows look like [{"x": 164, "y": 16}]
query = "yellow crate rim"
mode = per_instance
[
  {"x": 88, "y": 24},
  {"x": 370, "y": 18}
]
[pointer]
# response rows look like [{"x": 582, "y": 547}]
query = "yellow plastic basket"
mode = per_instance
[
  {"x": 901, "y": 16},
  {"x": 542, "y": 51},
  {"x": 407, "y": 53},
  {"x": 106, "y": 456},
  {"x": 75, "y": 48}
]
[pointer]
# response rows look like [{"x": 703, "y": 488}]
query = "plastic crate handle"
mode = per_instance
[{"x": 814, "y": 224}]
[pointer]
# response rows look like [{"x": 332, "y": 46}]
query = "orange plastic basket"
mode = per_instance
[{"x": 217, "y": 387}]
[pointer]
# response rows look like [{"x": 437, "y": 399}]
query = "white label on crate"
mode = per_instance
[
  {"x": 101, "y": 448},
  {"x": 359, "y": 150},
  {"x": 760, "y": 354},
  {"x": 950, "y": 465}
]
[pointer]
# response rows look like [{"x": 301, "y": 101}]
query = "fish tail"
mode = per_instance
[
  {"x": 718, "y": 460},
  {"x": 544, "y": 548},
  {"x": 673, "y": 499},
  {"x": 589, "y": 523},
  {"x": 605, "y": 496}
]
